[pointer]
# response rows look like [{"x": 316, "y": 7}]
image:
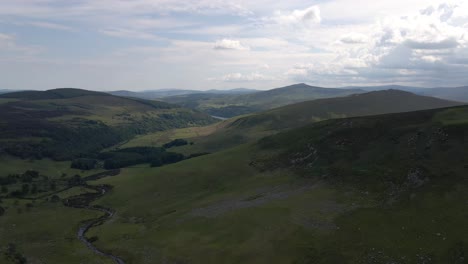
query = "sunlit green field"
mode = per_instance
[
  {"x": 47, "y": 167},
  {"x": 45, "y": 232}
]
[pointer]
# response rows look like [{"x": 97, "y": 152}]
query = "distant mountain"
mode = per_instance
[
  {"x": 232, "y": 91},
  {"x": 229, "y": 105},
  {"x": 60, "y": 93},
  {"x": 157, "y": 94},
  {"x": 4, "y": 91},
  {"x": 386, "y": 87},
  {"x": 67, "y": 123},
  {"x": 152, "y": 94},
  {"x": 458, "y": 93},
  {"x": 371, "y": 103},
  {"x": 450, "y": 93},
  {"x": 255, "y": 126}
]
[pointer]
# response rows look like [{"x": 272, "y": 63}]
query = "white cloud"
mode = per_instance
[
  {"x": 229, "y": 44},
  {"x": 425, "y": 48},
  {"x": 448, "y": 43},
  {"x": 240, "y": 77},
  {"x": 334, "y": 42},
  {"x": 354, "y": 38},
  {"x": 305, "y": 17}
]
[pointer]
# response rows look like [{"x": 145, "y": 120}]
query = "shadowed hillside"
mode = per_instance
[
  {"x": 325, "y": 193},
  {"x": 372, "y": 103},
  {"x": 234, "y": 105},
  {"x": 66, "y": 123},
  {"x": 255, "y": 126}
]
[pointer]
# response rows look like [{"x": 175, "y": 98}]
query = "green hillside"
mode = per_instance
[
  {"x": 376, "y": 189},
  {"x": 250, "y": 127},
  {"x": 372, "y": 103},
  {"x": 229, "y": 105},
  {"x": 66, "y": 123},
  {"x": 326, "y": 192}
]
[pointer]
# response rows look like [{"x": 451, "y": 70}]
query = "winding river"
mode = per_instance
[{"x": 83, "y": 201}]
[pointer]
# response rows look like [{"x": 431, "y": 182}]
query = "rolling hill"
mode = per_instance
[
  {"x": 157, "y": 94},
  {"x": 66, "y": 123},
  {"x": 324, "y": 193},
  {"x": 459, "y": 94},
  {"x": 3, "y": 91},
  {"x": 228, "y": 105},
  {"x": 251, "y": 127},
  {"x": 371, "y": 103}
]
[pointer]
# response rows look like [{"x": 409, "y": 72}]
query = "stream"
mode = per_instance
[{"x": 83, "y": 201}]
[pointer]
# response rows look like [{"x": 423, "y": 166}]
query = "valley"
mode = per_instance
[
  {"x": 233, "y": 132},
  {"x": 320, "y": 181}
]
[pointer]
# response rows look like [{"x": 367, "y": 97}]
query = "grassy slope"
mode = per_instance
[
  {"x": 205, "y": 211},
  {"x": 279, "y": 201},
  {"x": 251, "y": 127},
  {"x": 53, "y": 169},
  {"x": 234, "y": 105},
  {"x": 372, "y": 103},
  {"x": 44, "y": 123},
  {"x": 46, "y": 233}
]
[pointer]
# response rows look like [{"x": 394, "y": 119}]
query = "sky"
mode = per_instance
[{"x": 215, "y": 44}]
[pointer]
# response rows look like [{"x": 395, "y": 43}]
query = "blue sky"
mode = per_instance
[{"x": 206, "y": 44}]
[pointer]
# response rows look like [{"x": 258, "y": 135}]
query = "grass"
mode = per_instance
[
  {"x": 47, "y": 167},
  {"x": 452, "y": 116},
  {"x": 220, "y": 208},
  {"x": 180, "y": 210},
  {"x": 339, "y": 191},
  {"x": 432, "y": 225},
  {"x": 157, "y": 139},
  {"x": 46, "y": 232},
  {"x": 7, "y": 100}
]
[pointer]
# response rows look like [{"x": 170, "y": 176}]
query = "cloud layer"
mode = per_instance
[{"x": 149, "y": 44}]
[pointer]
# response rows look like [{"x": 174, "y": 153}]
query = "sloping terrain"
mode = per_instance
[
  {"x": 227, "y": 105},
  {"x": 325, "y": 193},
  {"x": 372, "y": 103},
  {"x": 458, "y": 93},
  {"x": 66, "y": 123},
  {"x": 377, "y": 189},
  {"x": 157, "y": 94},
  {"x": 251, "y": 127}
]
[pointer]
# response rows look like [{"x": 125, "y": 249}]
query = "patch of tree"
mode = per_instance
[
  {"x": 75, "y": 181},
  {"x": 10, "y": 179},
  {"x": 166, "y": 158},
  {"x": 84, "y": 164},
  {"x": 194, "y": 155},
  {"x": 62, "y": 141},
  {"x": 176, "y": 143},
  {"x": 132, "y": 156},
  {"x": 55, "y": 198},
  {"x": 30, "y": 133},
  {"x": 26, "y": 177},
  {"x": 29, "y": 175},
  {"x": 12, "y": 254},
  {"x": 32, "y": 182},
  {"x": 2, "y": 211}
]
